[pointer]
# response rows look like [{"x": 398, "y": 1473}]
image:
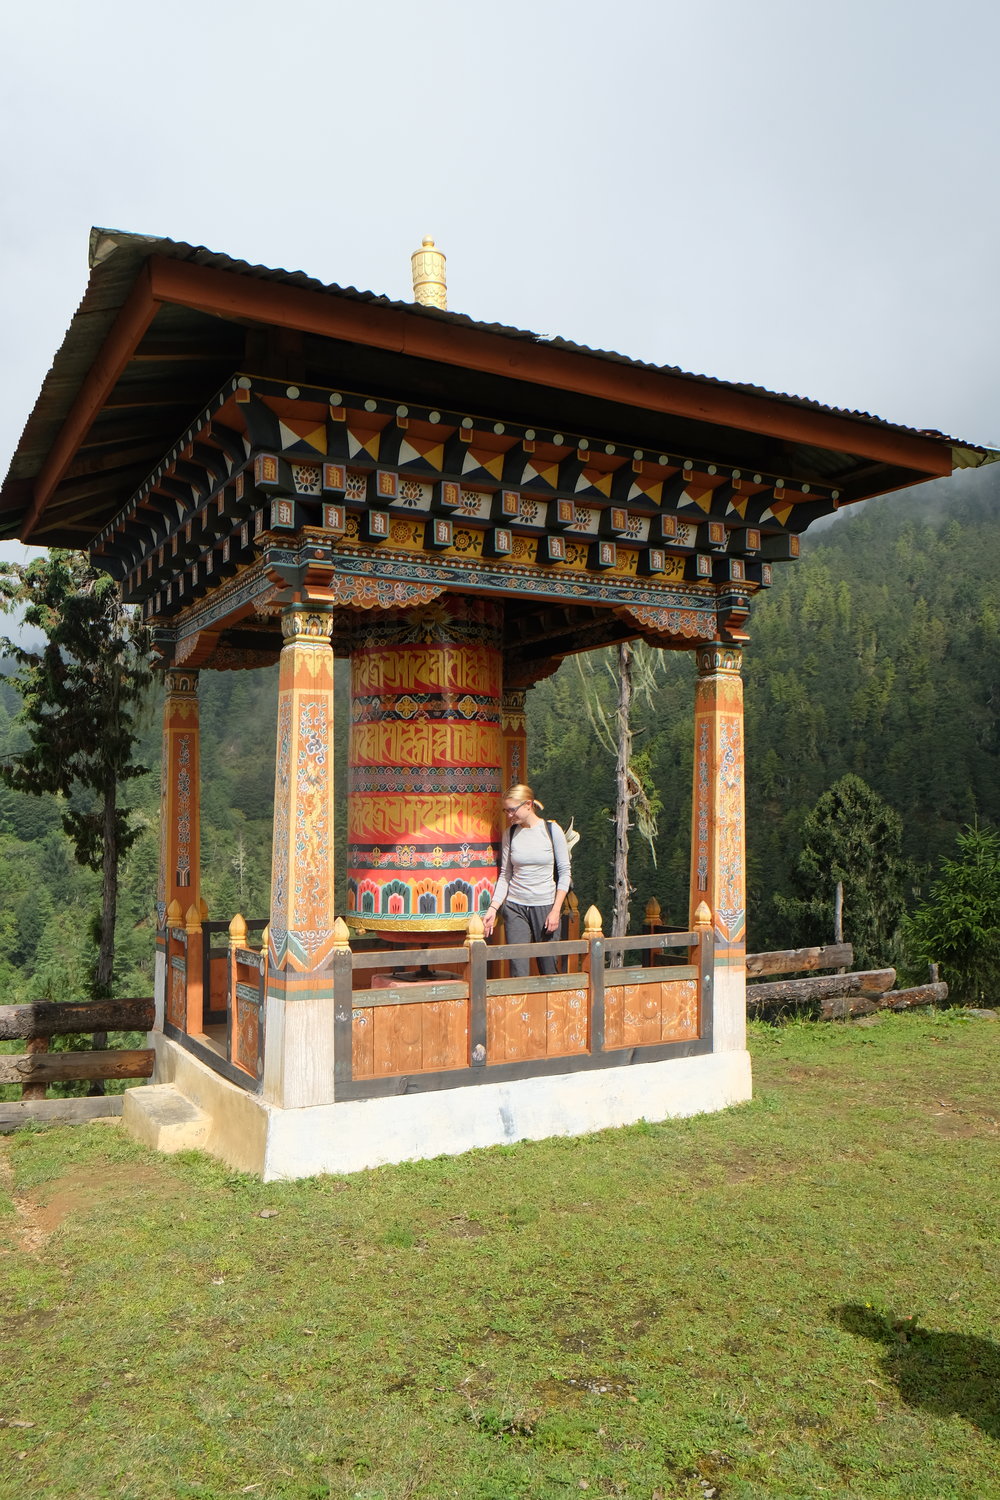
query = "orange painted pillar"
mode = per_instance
[
  {"x": 718, "y": 838},
  {"x": 179, "y": 882},
  {"x": 302, "y": 874},
  {"x": 514, "y": 731},
  {"x": 298, "y": 1036},
  {"x": 180, "y": 791}
]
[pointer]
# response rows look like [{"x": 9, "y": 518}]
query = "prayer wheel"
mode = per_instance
[{"x": 424, "y": 767}]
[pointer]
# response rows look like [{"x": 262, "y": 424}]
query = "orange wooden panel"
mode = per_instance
[
  {"x": 444, "y": 1034},
  {"x": 515, "y": 1027},
  {"x": 680, "y": 1018},
  {"x": 566, "y": 1022},
  {"x": 641, "y": 1024},
  {"x": 218, "y": 982},
  {"x": 614, "y": 1016},
  {"x": 398, "y": 1039},
  {"x": 246, "y": 1021},
  {"x": 363, "y": 1044}
]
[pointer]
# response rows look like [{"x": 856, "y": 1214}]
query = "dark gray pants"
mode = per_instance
[{"x": 526, "y": 924}]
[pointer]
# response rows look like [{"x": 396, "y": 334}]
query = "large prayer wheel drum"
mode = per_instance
[{"x": 424, "y": 768}]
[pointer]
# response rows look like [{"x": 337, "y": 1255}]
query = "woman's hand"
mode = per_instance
[
  {"x": 489, "y": 921},
  {"x": 553, "y": 919}
]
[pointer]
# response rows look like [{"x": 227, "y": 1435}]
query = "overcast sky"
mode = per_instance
[{"x": 797, "y": 194}]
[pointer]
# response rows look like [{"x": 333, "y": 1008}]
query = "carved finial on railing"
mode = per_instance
[
  {"x": 192, "y": 919},
  {"x": 703, "y": 916},
  {"x": 475, "y": 933},
  {"x": 203, "y": 908},
  {"x": 341, "y": 935},
  {"x": 265, "y": 938},
  {"x": 593, "y": 923},
  {"x": 238, "y": 932},
  {"x": 572, "y": 903},
  {"x": 175, "y": 916},
  {"x": 652, "y": 910}
]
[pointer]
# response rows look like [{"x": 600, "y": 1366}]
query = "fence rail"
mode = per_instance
[{"x": 37, "y": 1068}]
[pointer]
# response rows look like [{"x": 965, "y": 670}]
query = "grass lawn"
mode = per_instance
[{"x": 798, "y": 1297}]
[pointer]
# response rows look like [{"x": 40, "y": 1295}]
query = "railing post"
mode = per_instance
[
  {"x": 705, "y": 929},
  {"x": 593, "y": 964},
  {"x": 343, "y": 1004},
  {"x": 195, "y": 975},
  {"x": 237, "y": 940},
  {"x": 475, "y": 942},
  {"x": 32, "y": 1046}
]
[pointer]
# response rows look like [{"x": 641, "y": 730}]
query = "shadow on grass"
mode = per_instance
[{"x": 948, "y": 1374}]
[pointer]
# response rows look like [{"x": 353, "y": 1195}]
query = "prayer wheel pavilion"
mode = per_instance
[{"x": 278, "y": 470}]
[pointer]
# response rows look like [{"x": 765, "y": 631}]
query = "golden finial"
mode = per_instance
[
  {"x": 192, "y": 919},
  {"x": 652, "y": 910},
  {"x": 476, "y": 933},
  {"x": 238, "y": 932},
  {"x": 703, "y": 916},
  {"x": 175, "y": 916},
  {"x": 593, "y": 922},
  {"x": 430, "y": 286},
  {"x": 341, "y": 935}
]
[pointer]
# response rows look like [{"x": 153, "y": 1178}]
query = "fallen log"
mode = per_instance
[
  {"x": 872, "y": 982},
  {"x": 791, "y": 960},
  {"x": 863, "y": 1005},
  {"x": 49, "y": 1018},
  {"x": 61, "y": 1067}
]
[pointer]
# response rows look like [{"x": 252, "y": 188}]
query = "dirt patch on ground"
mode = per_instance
[{"x": 37, "y": 1215}]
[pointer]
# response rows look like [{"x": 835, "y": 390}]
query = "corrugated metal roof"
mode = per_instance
[{"x": 116, "y": 257}]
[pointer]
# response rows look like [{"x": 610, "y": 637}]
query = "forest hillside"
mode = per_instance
[{"x": 875, "y": 654}]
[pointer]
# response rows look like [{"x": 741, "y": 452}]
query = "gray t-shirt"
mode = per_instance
[{"x": 526, "y": 861}]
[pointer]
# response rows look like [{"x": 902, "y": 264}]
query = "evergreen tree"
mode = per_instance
[
  {"x": 852, "y": 837},
  {"x": 80, "y": 694},
  {"x": 958, "y": 926}
]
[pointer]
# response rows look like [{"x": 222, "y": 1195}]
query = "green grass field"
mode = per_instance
[{"x": 798, "y": 1297}]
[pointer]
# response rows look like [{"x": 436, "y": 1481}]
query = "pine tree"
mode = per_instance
[
  {"x": 80, "y": 694},
  {"x": 958, "y": 926}
]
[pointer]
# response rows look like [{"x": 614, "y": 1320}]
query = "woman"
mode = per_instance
[{"x": 534, "y": 878}]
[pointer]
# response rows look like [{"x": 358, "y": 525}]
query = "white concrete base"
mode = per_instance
[{"x": 355, "y": 1135}]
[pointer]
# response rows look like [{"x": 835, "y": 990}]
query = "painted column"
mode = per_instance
[
  {"x": 514, "y": 728},
  {"x": 180, "y": 792},
  {"x": 298, "y": 1049},
  {"x": 424, "y": 768},
  {"x": 718, "y": 843}
]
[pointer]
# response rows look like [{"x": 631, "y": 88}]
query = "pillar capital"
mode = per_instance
[
  {"x": 307, "y": 622},
  {"x": 181, "y": 681},
  {"x": 717, "y": 656}
]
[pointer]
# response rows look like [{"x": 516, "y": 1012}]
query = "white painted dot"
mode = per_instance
[
  {"x": 371, "y": 405},
  {"x": 434, "y": 416},
  {"x": 779, "y": 484},
  {"x": 835, "y": 495},
  {"x": 467, "y": 423},
  {"x": 292, "y": 393},
  {"x": 244, "y": 382},
  {"x": 499, "y": 428},
  {"x": 583, "y": 445},
  {"x": 805, "y": 489},
  {"x": 663, "y": 459},
  {"x": 402, "y": 411},
  {"x": 529, "y": 435},
  {"x": 689, "y": 463},
  {"x": 737, "y": 474},
  {"x": 557, "y": 440},
  {"x": 756, "y": 479},
  {"x": 712, "y": 469},
  {"x": 638, "y": 454},
  {"x": 336, "y": 399},
  {"x": 609, "y": 447}
]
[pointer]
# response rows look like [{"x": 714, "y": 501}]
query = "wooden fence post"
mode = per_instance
[
  {"x": 475, "y": 943},
  {"x": 341, "y": 962},
  {"x": 593, "y": 965}
]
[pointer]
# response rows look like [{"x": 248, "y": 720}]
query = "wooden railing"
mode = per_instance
[
  {"x": 408, "y": 1034},
  {"x": 215, "y": 994},
  {"x": 37, "y": 1068}
]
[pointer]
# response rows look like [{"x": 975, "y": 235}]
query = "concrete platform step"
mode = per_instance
[{"x": 160, "y": 1117}]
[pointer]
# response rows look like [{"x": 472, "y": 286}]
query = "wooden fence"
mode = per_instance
[
  {"x": 830, "y": 996},
  {"x": 36, "y": 1068}
]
